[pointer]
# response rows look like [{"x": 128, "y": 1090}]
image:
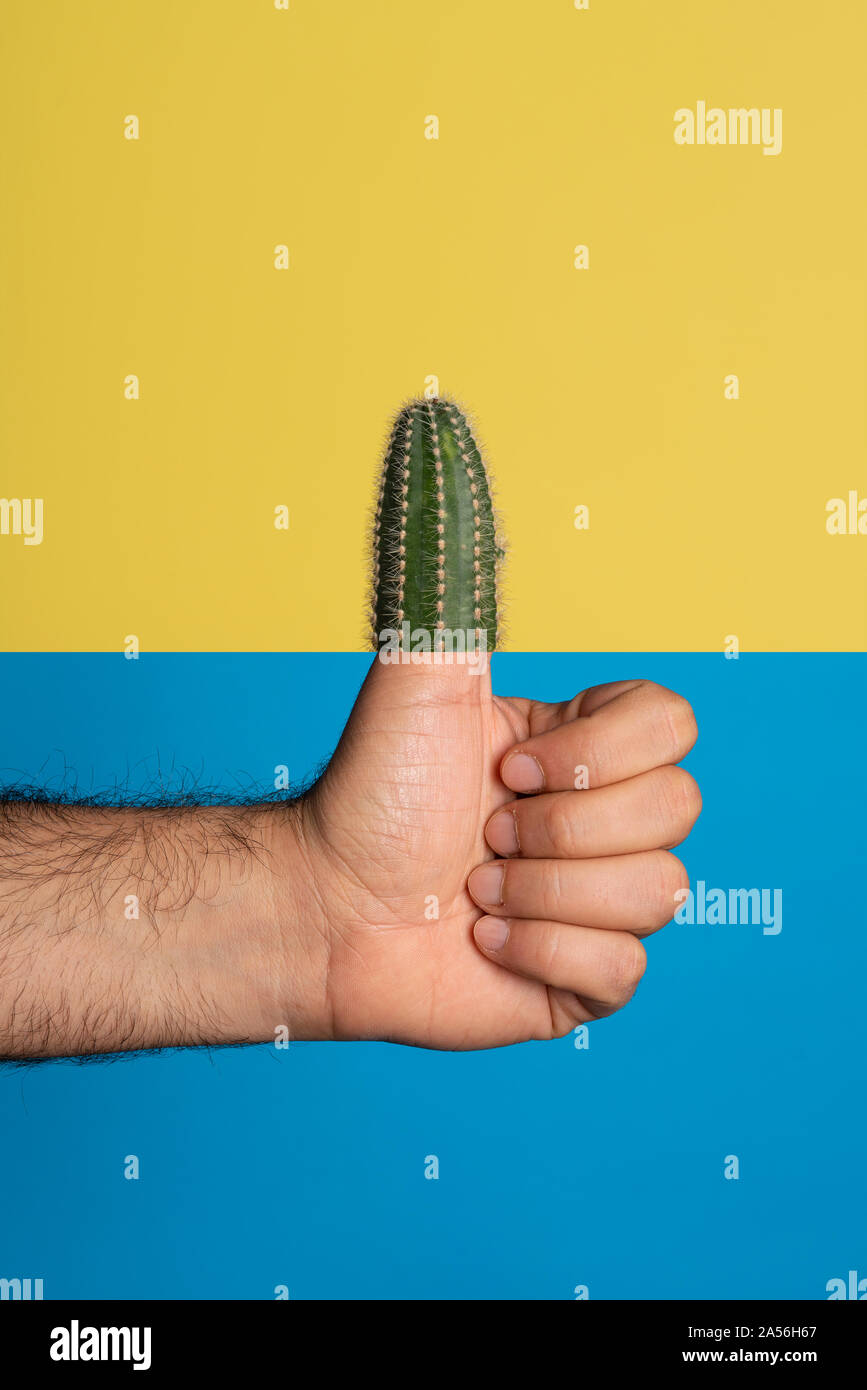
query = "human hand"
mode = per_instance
[
  {"x": 374, "y": 906},
  {"x": 434, "y": 941}
]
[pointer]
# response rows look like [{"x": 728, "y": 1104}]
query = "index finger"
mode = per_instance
[{"x": 606, "y": 734}]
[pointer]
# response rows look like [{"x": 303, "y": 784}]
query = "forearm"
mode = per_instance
[{"x": 126, "y": 928}]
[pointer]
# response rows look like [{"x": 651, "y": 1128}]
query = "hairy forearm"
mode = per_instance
[{"x": 125, "y": 928}]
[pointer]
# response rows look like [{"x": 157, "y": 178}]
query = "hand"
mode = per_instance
[
  {"x": 432, "y": 940},
  {"x": 372, "y": 907}
]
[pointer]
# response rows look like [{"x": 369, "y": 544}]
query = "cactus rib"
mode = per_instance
[{"x": 436, "y": 553}]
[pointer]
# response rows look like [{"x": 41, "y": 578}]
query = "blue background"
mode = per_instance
[{"x": 558, "y": 1167}]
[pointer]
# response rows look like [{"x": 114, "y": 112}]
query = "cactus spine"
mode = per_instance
[{"x": 435, "y": 548}]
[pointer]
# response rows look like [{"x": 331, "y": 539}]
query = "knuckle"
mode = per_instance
[
  {"x": 680, "y": 721},
  {"x": 680, "y": 800},
  {"x": 677, "y": 883},
  {"x": 552, "y": 889},
  {"x": 548, "y": 952},
  {"x": 559, "y": 824},
  {"x": 627, "y": 964},
  {"x": 666, "y": 878},
  {"x": 566, "y": 1010}
]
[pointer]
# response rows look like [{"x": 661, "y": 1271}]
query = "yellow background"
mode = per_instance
[{"x": 412, "y": 257}]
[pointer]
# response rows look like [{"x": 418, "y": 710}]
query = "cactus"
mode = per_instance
[{"x": 436, "y": 553}]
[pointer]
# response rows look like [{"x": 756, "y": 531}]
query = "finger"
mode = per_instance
[
  {"x": 627, "y": 892},
  {"x": 601, "y": 737},
  {"x": 655, "y": 810},
  {"x": 602, "y": 968}
]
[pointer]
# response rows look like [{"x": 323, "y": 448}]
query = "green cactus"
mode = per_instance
[{"x": 436, "y": 553}]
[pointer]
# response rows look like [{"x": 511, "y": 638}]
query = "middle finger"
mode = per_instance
[{"x": 655, "y": 810}]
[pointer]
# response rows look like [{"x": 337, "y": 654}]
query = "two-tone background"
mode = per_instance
[{"x": 232, "y": 246}]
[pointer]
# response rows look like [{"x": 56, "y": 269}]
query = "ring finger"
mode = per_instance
[{"x": 627, "y": 892}]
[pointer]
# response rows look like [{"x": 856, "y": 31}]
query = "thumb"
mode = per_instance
[{"x": 396, "y": 680}]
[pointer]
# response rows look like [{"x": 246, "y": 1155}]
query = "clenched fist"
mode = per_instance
[
  {"x": 469, "y": 871},
  {"x": 472, "y": 895}
]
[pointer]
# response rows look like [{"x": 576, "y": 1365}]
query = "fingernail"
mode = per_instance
[
  {"x": 522, "y": 773},
  {"x": 501, "y": 833},
  {"x": 486, "y": 884},
  {"x": 491, "y": 933}
]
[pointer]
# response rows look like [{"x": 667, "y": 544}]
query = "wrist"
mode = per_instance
[
  {"x": 261, "y": 949},
  {"x": 294, "y": 980}
]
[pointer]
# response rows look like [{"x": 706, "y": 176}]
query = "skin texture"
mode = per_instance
[
  {"x": 311, "y": 918},
  {"x": 401, "y": 814}
]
